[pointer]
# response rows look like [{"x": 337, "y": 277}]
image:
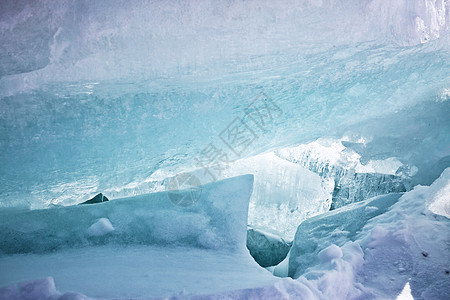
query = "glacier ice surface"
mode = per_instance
[
  {"x": 99, "y": 106},
  {"x": 99, "y": 97}
]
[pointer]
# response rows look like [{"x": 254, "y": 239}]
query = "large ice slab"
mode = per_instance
[
  {"x": 284, "y": 193},
  {"x": 156, "y": 248},
  {"x": 216, "y": 220},
  {"x": 266, "y": 248}
]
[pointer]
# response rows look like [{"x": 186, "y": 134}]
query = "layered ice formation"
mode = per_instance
[
  {"x": 353, "y": 181},
  {"x": 360, "y": 186},
  {"x": 96, "y": 97}
]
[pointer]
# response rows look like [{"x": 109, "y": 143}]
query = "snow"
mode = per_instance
[
  {"x": 332, "y": 252},
  {"x": 139, "y": 271},
  {"x": 101, "y": 227},
  {"x": 35, "y": 289},
  {"x": 406, "y": 244},
  {"x": 439, "y": 199},
  {"x": 335, "y": 227},
  {"x": 370, "y": 209},
  {"x": 415, "y": 242},
  {"x": 405, "y": 294},
  {"x": 38, "y": 289}
]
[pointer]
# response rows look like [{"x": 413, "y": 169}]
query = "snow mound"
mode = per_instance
[
  {"x": 399, "y": 245},
  {"x": 409, "y": 243},
  {"x": 101, "y": 227},
  {"x": 38, "y": 289},
  {"x": 332, "y": 252},
  {"x": 335, "y": 227},
  {"x": 439, "y": 199}
]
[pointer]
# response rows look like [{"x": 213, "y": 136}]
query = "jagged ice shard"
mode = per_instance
[{"x": 339, "y": 110}]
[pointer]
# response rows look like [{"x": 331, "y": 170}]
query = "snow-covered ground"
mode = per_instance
[
  {"x": 373, "y": 249},
  {"x": 357, "y": 253}
]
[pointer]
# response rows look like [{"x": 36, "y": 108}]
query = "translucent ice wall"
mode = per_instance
[
  {"x": 354, "y": 179},
  {"x": 98, "y": 96},
  {"x": 284, "y": 193}
]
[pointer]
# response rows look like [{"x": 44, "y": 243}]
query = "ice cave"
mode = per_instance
[{"x": 235, "y": 149}]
